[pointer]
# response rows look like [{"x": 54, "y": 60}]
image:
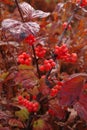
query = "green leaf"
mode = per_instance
[
  {"x": 4, "y": 75},
  {"x": 39, "y": 124},
  {"x": 23, "y": 67},
  {"x": 23, "y": 114}
]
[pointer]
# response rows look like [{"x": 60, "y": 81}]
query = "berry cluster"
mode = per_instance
[
  {"x": 63, "y": 54},
  {"x": 31, "y": 106},
  {"x": 84, "y": 2},
  {"x": 30, "y": 39},
  {"x": 40, "y": 51},
  {"x": 65, "y": 25},
  {"x": 24, "y": 58},
  {"x": 56, "y": 89},
  {"x": 48, "y": 65}
]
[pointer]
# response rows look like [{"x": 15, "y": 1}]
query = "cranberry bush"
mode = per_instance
[{"x": 43, "y": 61}]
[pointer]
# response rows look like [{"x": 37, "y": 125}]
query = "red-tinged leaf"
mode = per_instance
[
  {"x": 58, "y": 111},
  {"x": 81, "y": 105},
  {"x": 26, "y": 78},
  {"x": 71, "y": 89},
  {"x": 30, "y": 13},
  {"x": 4, "y": 128},
  {"x": 20, "y": 30},
  {"x": 4, "y": 115},
  {"x": 15, "y": 123},
  {"x": 43, "y": 88}
]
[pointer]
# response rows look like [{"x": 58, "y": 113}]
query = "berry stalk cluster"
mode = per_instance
[
  {"x": 40, "y": 51},
  {"x": 48, "y": 65},
  {"x": 30, "y": 105},
  {"x": 63, "y": 54},
  {"x": 30, "y": 39},
  {"x": 54, "y": 91},
  {"x": 24, "y": 58}
]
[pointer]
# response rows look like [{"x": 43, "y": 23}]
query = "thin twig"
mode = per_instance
[
  {"x": 68, "y": 23},
  {"x": 19, "y": 9},
  {"x": 36, "y": 62},
  {"x": 29, "y": 127}
]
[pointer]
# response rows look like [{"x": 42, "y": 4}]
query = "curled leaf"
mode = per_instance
[
  {"x": 29, "y": 12},
  {"x": 39, "y": 14},
  {"x": 27, "y": 9}
]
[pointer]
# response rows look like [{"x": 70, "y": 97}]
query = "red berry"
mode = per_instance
[
  {"x": 31, "y": 106},
  {"x": 51, "y": 112},
  {"x": 30, "y": 39},
  {"x": 34, "y": 97},
  {"x": 24, "y": 58},
  {"x": 84, "y": 2},
  {"x": 60, "y": 83},
  {"x": 20, "y": 97},
  {"x": 40, "y": 51},
  {"x": 73, "y": 57},
  {"x": 53, "y": 92},
  {"x": 47, "y": 66},
  {"x": 35, "y": 106},
  {"x": 53, "y": 64},
  {"x": 63, "y": 54},
  {"x": 42, "y": 68},
  {"x": 65, "y": 25}
]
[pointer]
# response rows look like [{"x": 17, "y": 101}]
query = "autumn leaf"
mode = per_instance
[
  {"x": 41, "y": 124},
  {"x": 71, "y": 89},
  {"x": 4, "y": 128},
  {"x": 30, "y": 13},
  {"x": 15, "y": 123},
  {"x": 23, "y": 114},
  {"x": 43, "y": 88},
  {"x": 20, "y": 30},
  {"x": 59, "y": 112},
  {"x": 81, "y": 105}
]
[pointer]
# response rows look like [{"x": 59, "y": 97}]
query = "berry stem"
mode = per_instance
[
  {"x": 29, "y": 127},
  {"x": 36, "y": 62},
  {"x": 19, "y": 9},
  {"x": 46, "y": 79},
  {"x": 68, "y": 23},
  {"x": 60, "y": 40}
]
